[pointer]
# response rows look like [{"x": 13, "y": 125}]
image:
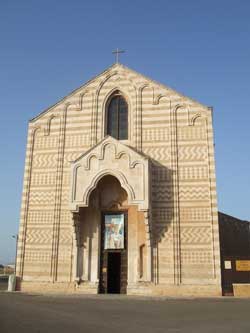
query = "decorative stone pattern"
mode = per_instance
[{"x": 166, "y": 167}]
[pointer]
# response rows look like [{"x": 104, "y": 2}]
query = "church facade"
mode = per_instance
[{"x": 119, "y": 192}]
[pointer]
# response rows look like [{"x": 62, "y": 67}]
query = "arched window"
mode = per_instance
[{"x": 117, "y": 117}]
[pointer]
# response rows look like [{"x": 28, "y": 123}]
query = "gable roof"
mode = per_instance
[
  {"x": 106, "y": 71},
  {"x": 110, "y": 139}
]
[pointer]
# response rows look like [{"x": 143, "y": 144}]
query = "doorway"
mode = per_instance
[
  {"x": 113, "y": 256},
  {"x": 114, "y": 273}
]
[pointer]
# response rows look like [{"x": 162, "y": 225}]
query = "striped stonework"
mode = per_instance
[{"x": 175, "y": 134}]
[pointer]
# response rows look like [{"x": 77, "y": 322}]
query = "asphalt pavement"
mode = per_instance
[{"x": 118, "y": 313}]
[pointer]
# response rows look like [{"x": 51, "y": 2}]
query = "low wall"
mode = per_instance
[
  {"x": 47, "y": 287},
  {"x": 176, "y": 291},
  {"x": 241, "y": 289},
  {"x": 144, "y": 289}
]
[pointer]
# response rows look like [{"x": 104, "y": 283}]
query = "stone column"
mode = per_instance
[
  {"x": 149, "y": 246},
  {"x": 78, "y": 247}
]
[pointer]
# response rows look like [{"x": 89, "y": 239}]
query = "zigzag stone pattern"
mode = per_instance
[
  {"x": 42, "y": 197},
  {"x": 39, "y": 236},
  {"x": 72, "y": 156},
  {"x": 195, "y": 235},
  {"x": 179, "y": 230},
  {"x": 162, "y": 193},
  {"x": 45, "y": 160},
  {"x": 194, "y": 193},
  {"x": 158, "y": 153},
  {"x": 192, "y": 153},
  {"x": 65, "y": 236}
]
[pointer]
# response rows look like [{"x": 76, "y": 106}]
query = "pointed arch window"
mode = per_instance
[{"x": 117, "y": 117}]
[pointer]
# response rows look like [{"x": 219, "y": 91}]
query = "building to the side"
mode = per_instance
[
  {"x": 119, "y": 192},
  {"x": 235, "y": 255}
]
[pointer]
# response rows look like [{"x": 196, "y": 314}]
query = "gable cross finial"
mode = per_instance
[{"x": 117, "y": 53}]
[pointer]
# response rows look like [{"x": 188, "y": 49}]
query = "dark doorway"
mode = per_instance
[{"x": 114, "y": 272}]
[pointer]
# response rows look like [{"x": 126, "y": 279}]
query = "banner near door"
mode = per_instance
[{"x": 114, "y": 232}]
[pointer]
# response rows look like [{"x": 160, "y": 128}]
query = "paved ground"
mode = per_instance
[{"x": 37, "y": 313}]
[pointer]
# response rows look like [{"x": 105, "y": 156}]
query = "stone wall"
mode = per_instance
[{"x": 174, "y": 131}]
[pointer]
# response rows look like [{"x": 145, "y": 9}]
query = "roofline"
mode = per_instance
[
  {"x": 167, "y": 87},
  {"x": 72, "y": 92},
  {"x": 236, "y": 218},
  {"x": 210, "y": 108}
]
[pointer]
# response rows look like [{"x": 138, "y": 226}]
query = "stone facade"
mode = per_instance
[{"x": 165, "y": 168}]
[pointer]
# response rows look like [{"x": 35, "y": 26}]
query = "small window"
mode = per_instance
[{"x": 117, "y": 117}]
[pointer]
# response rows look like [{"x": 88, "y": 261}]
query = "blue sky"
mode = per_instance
[{"x": 200, "y": 48}]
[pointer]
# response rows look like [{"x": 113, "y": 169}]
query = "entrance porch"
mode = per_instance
[
  {"x": 111, "y": 179},
  {"x": 110, "y": 266}
]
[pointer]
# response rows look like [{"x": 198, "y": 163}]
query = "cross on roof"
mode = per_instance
[{"x": 117, "y": 52}]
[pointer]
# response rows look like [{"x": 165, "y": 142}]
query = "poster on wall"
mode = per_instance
[{"x": 114, "y": 232}]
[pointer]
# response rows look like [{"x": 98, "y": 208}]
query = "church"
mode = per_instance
[{"x": 119, "y": 192}]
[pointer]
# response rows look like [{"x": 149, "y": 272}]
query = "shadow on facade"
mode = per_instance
[
  {"x": 163, "y": 211},
  {"x": 110, "y": 196}
]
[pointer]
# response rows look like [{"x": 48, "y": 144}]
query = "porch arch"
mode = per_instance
[
  {"x": 118, "y": 175},
  {"x": 110, "y": 157}
]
